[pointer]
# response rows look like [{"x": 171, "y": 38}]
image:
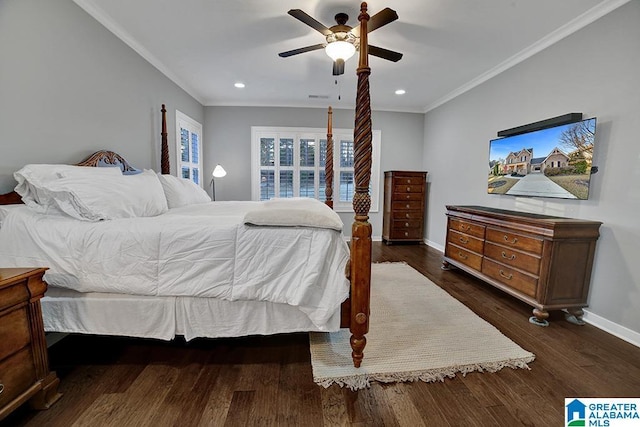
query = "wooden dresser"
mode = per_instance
[
  {"x": 404, "y": 206},
  {"x": 24, "y": 365},
  {"x": 543, "y": 260}
]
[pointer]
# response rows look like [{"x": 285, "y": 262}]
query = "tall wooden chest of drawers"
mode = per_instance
[
  {"x": 543, "y": 260},
  {"x": 24, "y": 365},
  {"x": 404, "y": 206}
]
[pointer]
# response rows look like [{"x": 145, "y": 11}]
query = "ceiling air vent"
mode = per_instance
[{"x": 318, "y": 96}]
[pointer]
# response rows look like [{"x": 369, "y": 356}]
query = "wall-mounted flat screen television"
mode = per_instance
[{"x": 553, "y": 162}]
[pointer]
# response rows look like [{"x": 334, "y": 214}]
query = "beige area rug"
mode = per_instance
[{"x": 417, "y": 332}]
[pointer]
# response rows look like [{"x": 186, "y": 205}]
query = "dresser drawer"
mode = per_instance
[
  {"x": 466, "y": 241},
  {"x": 408, "y": 180},
  {"x": 407, "y": 188},
  {"x": 406, "y": 233},
  {"x": 471, "y": 228},
  {"x": 522, "y": 282},
  {"x": 516, "y": 241},
  {"x": 408, "y": 205},
  {"x": 405, "y": 215},
  {"x": 464, "y": 256},
  {"x": 17, "y": 374},
  {"x": 14, "y": 332},
  {"x": 513, "y": 258},
  {"x": 407, "y": 196}
]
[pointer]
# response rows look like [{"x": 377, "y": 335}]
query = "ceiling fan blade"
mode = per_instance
[
  {"x": 381, "y": 18},
  {"x": 338, "y": 67},
  {"x": 302, "y": 16},
  {"x": 300, "y": 50},
  {"x": 387, "y": 54}
]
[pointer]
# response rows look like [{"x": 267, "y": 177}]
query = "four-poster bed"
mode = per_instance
[{"x": 354, "y": 313}]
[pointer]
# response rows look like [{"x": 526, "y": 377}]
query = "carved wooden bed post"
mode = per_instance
[
  {"x": 328, "y": 162},
  {"x": 361, "y": 228},
  {"x": 164, "y": 154}
]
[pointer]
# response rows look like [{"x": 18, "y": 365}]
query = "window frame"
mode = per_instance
[
  {"x": 193, "y": 127},
  {"x": 278, "y": 133}
]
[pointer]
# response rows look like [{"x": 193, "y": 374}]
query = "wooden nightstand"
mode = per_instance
[{"x": 24, "y": 362}]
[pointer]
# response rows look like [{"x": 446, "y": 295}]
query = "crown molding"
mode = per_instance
[
  {"x": 105, "y": 20},
  {"x": 571, "y": 27}
]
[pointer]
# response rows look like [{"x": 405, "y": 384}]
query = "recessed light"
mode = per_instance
[
  {"x": 239, "y": 85},
  {"x": 400, "y": 92}
]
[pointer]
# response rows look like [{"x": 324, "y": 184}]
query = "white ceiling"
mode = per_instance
[{"x": 449, "y": 46}]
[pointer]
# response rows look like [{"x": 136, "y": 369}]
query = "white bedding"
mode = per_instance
[{"x": 202, "y": 250}]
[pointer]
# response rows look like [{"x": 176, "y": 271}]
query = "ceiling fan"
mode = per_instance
[{"x": 342, "y": 40}]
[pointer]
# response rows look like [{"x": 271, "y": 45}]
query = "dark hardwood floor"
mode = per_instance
[{"x": 267, "y": 380}]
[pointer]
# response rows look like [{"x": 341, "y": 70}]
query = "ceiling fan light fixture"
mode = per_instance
[{"x": 340, "y": 50}]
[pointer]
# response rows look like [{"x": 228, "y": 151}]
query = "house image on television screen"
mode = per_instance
[{"x": 554, "y": 162}]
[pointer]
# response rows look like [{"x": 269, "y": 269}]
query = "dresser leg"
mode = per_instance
[
  {"x": 574, "y": 315},
  {"x": 539, "y": 317}
]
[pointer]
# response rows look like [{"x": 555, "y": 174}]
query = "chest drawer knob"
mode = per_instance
[
  {"x": 506, "y": 276},
  {"x": 406, "y": 224},
  {"x": 406, "y": 215},
  {"x": 409, "y": 181},
  {"x": 514, "y": 241},
  {"x": 408, "y": 206},
  {"x": 408, "y": 196},
  {"x": 512, "y": 257},
  {"x": 406, "y": 234},
  {"x": 408, "y": 189}
]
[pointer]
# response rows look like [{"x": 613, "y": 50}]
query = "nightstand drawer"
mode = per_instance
[
  {"x": 14, "y": 332},
  {"x": 17, "y": 374}
]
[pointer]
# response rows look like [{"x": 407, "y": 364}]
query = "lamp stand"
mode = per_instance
[{"x": 213, "y": 189}]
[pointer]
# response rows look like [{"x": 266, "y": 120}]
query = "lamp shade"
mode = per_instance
[
  {"x": 340, "y": 50},
  {"x": 219, "y": 172}
]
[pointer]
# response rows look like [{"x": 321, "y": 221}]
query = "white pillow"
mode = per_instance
[
  {"x": 182, "y": 191},
  {"x": 107, "y": 197},
  {"x": 32, "y": 177}
]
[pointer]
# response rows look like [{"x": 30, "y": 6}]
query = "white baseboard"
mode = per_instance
[
  {"x": 624, "y": 333},
  {"x": 434, "y": 245}
]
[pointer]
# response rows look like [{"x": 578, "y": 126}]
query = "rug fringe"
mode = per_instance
[{"x": 358, "y": 382}]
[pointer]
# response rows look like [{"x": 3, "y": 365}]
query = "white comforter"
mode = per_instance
[{"x": 202, "y": 250}]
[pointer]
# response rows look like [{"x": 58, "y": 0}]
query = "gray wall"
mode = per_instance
[
  {"x": 69, "y": 87},
  {"x": 227, "y": 139},
  {"x": 594, "y": 71}
]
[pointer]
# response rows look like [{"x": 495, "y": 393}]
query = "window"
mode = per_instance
[
  {"x": 290, "y": 162},
  {"x": 189, "y": 140}
]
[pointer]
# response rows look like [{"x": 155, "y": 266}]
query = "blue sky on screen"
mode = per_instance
[{"x": 542, "y": 142}]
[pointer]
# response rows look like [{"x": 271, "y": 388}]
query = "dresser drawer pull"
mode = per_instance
[
  {"x": 514, "y": 241},
  {"x": 463, "y": 256},
  {"x": 465, "y": 228},
  {"x": 463, "y": 240},
  {"x": 406, "y": 215},
  {"x": 406, "y": 224},
  {"x": 512, "y": 257},
  {"x": 408, "y": 189},
  {"x": 509, "y": 277},
  {"x": 406, "y": 234},
  {"x": 408, "y": 196},
  {"x": 408, "y": 206},
  {"x": 409, "y": 181},
  {"x": 1, "y": 388}
]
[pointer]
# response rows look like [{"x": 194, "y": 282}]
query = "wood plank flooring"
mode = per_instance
[{"x": 267, "y": 381}]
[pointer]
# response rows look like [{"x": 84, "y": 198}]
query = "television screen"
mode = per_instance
[{"x": 553, "y": 162}]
